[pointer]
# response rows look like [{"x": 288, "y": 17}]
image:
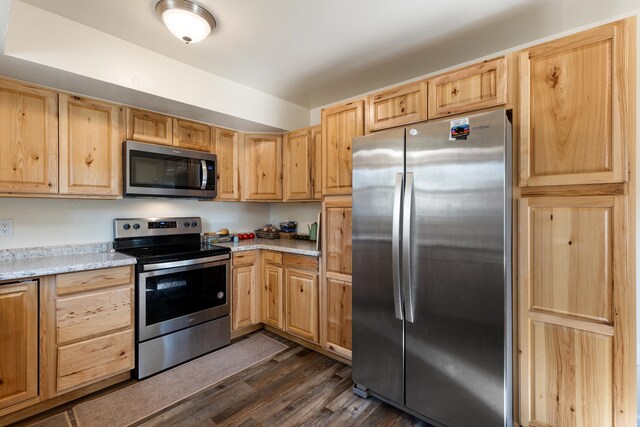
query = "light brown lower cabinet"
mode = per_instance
[
  {"x": 272, "y": 289},
  {"x": 18, "y": 343},
  {"x": 337, "y": 310},
  {"x": 302, "y": 297},
  {"x": 245, "y": 303},
  {"x": 87, "y": 321}
]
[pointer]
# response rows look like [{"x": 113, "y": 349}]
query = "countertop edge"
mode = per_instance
[
  {"x": 262, "y": 246},
  {"x": 65, "y": 268}
]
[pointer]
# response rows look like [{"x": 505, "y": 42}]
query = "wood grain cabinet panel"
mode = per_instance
[
  {"x": 191, "y": 135},
  {"x": 263, "y": 167},
  {"x": 146, "y": 126},
  {"x": 18, "y": 343},
  {"x": 243, "y": 294},
  {"x": 297, "y": 164},
  {"x": 340, "y": 124},
  {"x": 92, "y": 280},
  {"x": 226, "y": 147},
  {"x": 29, "y": 139},
  {"x": 398, "y": 106},
  {"x": 273, "y": 295},
  {"x": 91, "y": 135},
  {"x": 472, "y": 88},
  {"x": 316, "y": 162},
  {"x": 302, "y": 302},
  {"x": 338, "y": 312},
  {"x": 575, "y": 112},
  {"x": 338, "y": 245}
]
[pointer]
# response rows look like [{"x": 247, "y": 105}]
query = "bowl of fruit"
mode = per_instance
[{"x": 268, "y": 232}]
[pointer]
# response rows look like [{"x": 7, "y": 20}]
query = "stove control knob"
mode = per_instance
[
  {"x": 220, "y": 295},
  {"x": 136, "y": 226},
  {"x": 194, "y": 224},
  {"x": 126, "y": 226},
  {"x": 186, "y": 224}
]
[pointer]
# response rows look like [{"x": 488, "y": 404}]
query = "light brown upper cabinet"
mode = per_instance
[
  {"x": 575, "y": 107},
  {"x": 297, "y": 164},
  {"x": 19, "y": 343},
  {"x": 191, "y": 135},
  {"x": 398, "y": 106},
  {"x": 340, "y": 124},
  {"x": 263, "y": 167},
  {"x": 91, "y": 135},
  {"x": 29, "y": 139},
  {"x": 316, "y": 162},
  {"x": 576, "y": 311},
  {"x": 146, "y": 126},
  {"x": 472, "y": 88},
  {"x": 226, "y": 147}
]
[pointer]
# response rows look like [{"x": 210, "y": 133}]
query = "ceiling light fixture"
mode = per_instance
[{"x": 186, "y": 20}]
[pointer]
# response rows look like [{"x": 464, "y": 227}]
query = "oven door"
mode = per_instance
[{"x": 172, "y": 296}]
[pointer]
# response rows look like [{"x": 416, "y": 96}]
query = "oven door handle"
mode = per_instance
[{"x": 183, "y": 263}]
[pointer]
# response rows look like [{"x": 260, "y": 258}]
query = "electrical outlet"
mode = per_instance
[{"x": 6, "y": 227}]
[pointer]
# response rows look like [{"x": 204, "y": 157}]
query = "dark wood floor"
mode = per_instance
[{"x": 297, "y": 387}]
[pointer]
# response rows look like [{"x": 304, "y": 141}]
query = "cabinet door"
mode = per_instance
[
  {"x": 29, "y": 139},
  {"x": 297, "y": 165},
  {"x": 19, "y": 343},
  {"x": 302, "y": 303},
  {"x": 574, "y": 109},
  {"x": 191, "y": 135},
  {"x": 337, "y": 246},
  {"x": 338, "y": 317},
  {"x": 272, "y": 296},
  {"x": 316, "y": 162},
  {"x": 150, "y": 127},
  {"x": 340, "y": 125},
  {"x": 243, "y": 297},
  {"x": 398, "y": 106},
  {"x": 226, "y": 147},
  {"x": 477, "y": 86},
  {"x": 91, "y": 135},
  {"x": 575, "y": 312},
  {"x": 263, "y": 167}
]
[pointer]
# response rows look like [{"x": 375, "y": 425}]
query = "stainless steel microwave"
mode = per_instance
[{"x": 161, "y": 171}]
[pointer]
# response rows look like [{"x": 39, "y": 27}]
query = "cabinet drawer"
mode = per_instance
[
  {"x": 92, "y": 314},
  {"x": 89, "y": 361},
  {"x": 272, "y": 257},
  {"x": 93, "y": 279},
  {"x": 244, "y": 258},
  {"x": 301, "y": 261}
]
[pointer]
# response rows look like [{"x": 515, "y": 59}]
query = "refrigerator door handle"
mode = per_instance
[
  {"x": 395, "y": 260},
  {"x": 406, "y": 250}
]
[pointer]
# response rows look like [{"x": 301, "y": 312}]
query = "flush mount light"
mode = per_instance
[{"x": 186, "y": 20}]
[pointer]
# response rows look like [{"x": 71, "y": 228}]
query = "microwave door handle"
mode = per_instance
[{"x": 205, "y": 175}]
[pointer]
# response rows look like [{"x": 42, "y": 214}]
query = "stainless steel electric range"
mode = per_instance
[{"x": 182, "y": 290}]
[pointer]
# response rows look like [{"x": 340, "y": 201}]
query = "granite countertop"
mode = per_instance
[
  {"x": 300, "y": 247},
  {"x": 17, "y": 264}
]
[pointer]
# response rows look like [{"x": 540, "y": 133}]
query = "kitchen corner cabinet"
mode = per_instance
[
  {"x": 272, "y": 289},
  {"x": 245, "y": 303},
  {"x": 18, "y": 343},
  {"x": 225, "y": 146},
  {"x": 340, "y": 124},
  {"x": 263, "y": 167},
  {"x": 146, "y": 126},
  {"x": 471, "y": 88},
  {"x": 87, "y": 330},
  {"x": 316, "y": 162},
  {"x": 29, "y": 139},
  {"x": 91, "y": 135},
  {"x": 302, "y": 296},
  {"x": 336, "y": 290},
  {"x": 576, "y": 109},
  {"x": 398, "y": 106},
  {"x": 297, "y": 165},
  {"x": 191, "y": 135}
]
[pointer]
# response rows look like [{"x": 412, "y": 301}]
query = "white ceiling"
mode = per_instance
[{"x": 314, "y": 52}]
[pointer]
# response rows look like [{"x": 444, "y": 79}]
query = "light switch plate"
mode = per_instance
[{"x": 6, "y": 227}]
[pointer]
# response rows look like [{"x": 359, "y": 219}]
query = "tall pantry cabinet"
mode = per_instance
[{"x": 576, "y": 287}]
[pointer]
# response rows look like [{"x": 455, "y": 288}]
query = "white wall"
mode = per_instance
[
  {"x": 47, "y": 222},
  {"x": 304, "y": 213}
]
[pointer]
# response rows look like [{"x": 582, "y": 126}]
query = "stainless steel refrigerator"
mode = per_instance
[{"x": 432, "y": 269}]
